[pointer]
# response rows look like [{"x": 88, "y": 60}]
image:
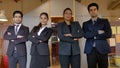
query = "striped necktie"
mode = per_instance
[{"x": 16, "y": 29}]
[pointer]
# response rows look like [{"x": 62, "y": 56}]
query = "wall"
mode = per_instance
[
  {"x": 57, "y": 6},
  {"x": 24, "y": 5},
  {"x": 81, "y": 15}
]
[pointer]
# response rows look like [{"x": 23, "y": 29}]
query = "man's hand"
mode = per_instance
[
  {"x": 12, "y": 40},
  {"x": 70, "y": 35},
  {"x": 101, "y": 31},
  {"x": 33, "y": 36},
  {"x": 75, "y": 39},
  {"x": 8, "y": 33},
  {"x": 40, "y": 40},
  {"x": 20, "y": 36}
]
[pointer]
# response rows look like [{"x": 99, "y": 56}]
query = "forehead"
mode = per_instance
[
  {"x": 17, "y": 14},
  {"x": 43, "y": 15},
  {"x": 68, "y": 11},
  {"x": 93, "y": 7}
]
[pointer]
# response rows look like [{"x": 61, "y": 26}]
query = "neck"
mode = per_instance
[
  {"x": 94, "y": 18},
  {"x": 43, "y": 26},
  {"x": 67, "y": 22},
  {"x": 17, "y": 23}
]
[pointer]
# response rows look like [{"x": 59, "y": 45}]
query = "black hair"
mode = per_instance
[
  {"x": 36, "y": 28},
  {"x": 17, "y": 12},
  {"x": 66, "y": 10},
  {"x": 44, "y": 13},
  {"x": 93, "y": 4}
]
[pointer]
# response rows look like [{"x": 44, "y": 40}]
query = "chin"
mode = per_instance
[
  {"x": 18, "y": 22},
  {"x": 68, "y": 19},
  {"x": 94, "y": 16}
]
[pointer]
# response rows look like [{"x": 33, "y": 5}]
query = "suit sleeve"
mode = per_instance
[
  {"x": 107, "y": 30},
  {"x": 33, "y": 39},
  {"x": 9, "y": 37},
  {"x": 87, "y": 33},
  {"x": 61, "y": 35},
  {"x": 46, "y": 36},
  {"x": 80, "y": 32},
  {"x": 25, "y": 37}
]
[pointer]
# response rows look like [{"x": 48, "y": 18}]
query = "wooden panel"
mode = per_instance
[
  {"x": 58, "y": 19},
  {"x": 113, "y": 49}
]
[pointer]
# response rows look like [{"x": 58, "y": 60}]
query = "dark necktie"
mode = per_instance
[
  {"x": 94, "y": 22},
  {"x": 15, "y": 49}
]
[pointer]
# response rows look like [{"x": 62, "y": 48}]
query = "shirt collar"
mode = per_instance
[
  {"x": 94, "y": 19},
  {"x": 17, "y": 24}
]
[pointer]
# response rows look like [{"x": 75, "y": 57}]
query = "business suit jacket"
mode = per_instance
[
  {"x": 67, "y": 44},
  {"x": 42, "y": 47},
  {"x": 91, "y": 31},
  {"x": 19, "y": 43}
]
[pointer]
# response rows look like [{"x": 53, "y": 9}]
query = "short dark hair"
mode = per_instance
[
  {"x": 17, "y": 12},
  {"x": 93, "y": 4},
  {"x": 66, "y": 10}
]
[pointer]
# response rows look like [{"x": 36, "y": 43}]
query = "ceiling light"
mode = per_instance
[{"x": 2, "y": 16}]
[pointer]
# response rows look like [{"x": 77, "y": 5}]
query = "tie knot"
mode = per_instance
[
  {"x": 16, "y": 25},
  {"x": 94, "y": 21}
]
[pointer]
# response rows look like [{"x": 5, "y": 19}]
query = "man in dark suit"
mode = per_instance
[
  {"x": 97, "y": 31},
  {"x": 17, "y": 36}
]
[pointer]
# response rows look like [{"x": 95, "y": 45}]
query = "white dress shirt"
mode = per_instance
[
  {"x": 16, "y": 31},
  {"x": 41, "y": 29}
]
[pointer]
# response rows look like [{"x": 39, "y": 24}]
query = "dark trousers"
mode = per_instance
[
  {"x": 13, "y": 61},
  {"x": 97, "y": 60},
  {"x": 73, "y": 60}
]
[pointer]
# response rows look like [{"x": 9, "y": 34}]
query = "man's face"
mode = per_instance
[
  {"x": 17, "y": 18},
  {"x": 93, "y": 11}
]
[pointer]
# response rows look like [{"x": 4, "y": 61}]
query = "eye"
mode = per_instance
[
  {"x": 91, "y": 10},
  {"x": 94, "y": 9},
  {"x": 45, "y": 18},
  {"x": 41, "y": 18},
  {"x": 19, "y": 16}
]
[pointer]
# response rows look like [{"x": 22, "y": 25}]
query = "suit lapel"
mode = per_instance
[
  {"x": 44, "y": 31},
  {"x": 97, "y": 24},
  {"x": 90, "y": 25},
  {"x": 65, "y": 28},
  {"x": 73, "y": 27},
  {"x": 20, "y": 29},
  {"x": 13, "y": 29}
]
